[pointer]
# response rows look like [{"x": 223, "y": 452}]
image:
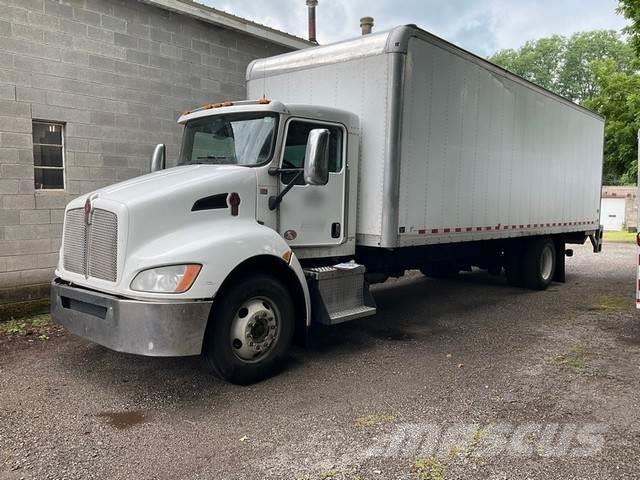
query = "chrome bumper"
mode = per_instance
[{"x": 159, "y": 329}]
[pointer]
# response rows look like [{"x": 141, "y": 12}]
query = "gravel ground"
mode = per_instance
[{"x": 466, "y": 378}]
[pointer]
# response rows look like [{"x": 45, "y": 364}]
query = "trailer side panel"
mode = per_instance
[{"x": 486, "y": 157}]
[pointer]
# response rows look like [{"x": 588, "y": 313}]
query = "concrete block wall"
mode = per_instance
[{"x": 117, "y": 73}]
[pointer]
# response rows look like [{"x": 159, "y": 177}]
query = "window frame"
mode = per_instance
[
  {"x": 343, "y": 145},
  {"x": 62, "y": 146}
]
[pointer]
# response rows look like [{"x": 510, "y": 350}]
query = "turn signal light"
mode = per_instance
[{"x": 190, "y": 274}]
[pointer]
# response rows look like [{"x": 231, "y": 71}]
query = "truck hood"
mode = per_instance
[
  {"x": 186, "y": 183},
  {"x": 152, "y": 207},
  {"x": 179, "y": 186}
]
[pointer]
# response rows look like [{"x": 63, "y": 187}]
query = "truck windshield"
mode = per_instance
[{"x": 234, "y": 139}]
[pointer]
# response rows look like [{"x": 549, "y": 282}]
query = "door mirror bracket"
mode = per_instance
[{"x": 275, "y": 200}]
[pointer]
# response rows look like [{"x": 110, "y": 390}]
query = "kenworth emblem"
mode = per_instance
[{"x": 87, "y": 211}]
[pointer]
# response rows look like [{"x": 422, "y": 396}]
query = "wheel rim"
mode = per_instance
[
  {"x": 546, "y": 263},
  {"x": 255, "y": 329}
]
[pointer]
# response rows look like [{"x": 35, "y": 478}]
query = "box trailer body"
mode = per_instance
[
  {"x": 353, "y": 162},
  {"x": 453, "y": 148}
]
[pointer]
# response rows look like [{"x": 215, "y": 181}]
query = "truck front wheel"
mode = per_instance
[
  {"x": 539, "y": 264},
  {"x": 250, "y": 330}
]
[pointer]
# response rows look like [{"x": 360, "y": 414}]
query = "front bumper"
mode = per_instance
[{"x": 159, "y": 329}]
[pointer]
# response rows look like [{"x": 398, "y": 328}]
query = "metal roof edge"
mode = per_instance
[{"x": 217, "y": 17}]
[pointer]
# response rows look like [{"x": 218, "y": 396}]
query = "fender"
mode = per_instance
[{"x": 220, "y": 249}]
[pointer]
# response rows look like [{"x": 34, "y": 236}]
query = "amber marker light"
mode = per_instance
[{"x": 190, "y": 275}]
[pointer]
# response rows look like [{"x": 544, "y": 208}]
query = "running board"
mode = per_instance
[{"x": 339, "y": 293}]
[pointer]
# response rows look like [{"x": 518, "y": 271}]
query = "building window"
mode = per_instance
[{"x": 48, "y": 155}]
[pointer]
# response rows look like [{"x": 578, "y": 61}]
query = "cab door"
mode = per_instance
[{"x": 311, "y": 215}]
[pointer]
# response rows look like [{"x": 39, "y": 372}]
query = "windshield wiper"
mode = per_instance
[{"x": 213, "y": 157}]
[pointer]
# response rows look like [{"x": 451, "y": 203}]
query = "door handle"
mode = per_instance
[{"x": 335, "y": 230}]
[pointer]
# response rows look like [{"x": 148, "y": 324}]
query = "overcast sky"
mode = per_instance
[{"x": 482, "y": 26}]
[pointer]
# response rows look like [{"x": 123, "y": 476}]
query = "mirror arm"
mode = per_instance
[{"x": 274, "y": 200}]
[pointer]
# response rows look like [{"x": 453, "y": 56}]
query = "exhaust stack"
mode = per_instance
[
  {"x": 312, "y": 4},
  {"x": 366, "y": 24}
]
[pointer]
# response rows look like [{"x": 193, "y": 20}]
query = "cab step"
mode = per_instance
[{"x": 339, "y": 293}]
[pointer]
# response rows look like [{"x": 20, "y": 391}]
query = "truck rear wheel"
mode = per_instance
[
  {"x": 539, "y": 264},
  {"x": 250, "y": 330}
]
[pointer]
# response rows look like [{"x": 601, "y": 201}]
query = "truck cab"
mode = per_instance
[{"x": 207, "y": 256}]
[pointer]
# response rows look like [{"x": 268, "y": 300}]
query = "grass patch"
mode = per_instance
[
  {"x": 577, "y": 358},
  {"x": 476, "y": 441},
  {"x": 374, "y": 420},
  {"x": 434, "y": 468},
  {"x": 39, "y": 326},
  {"x": 619, "y": 236},
  {"x": 610, "y": 303},
  {"x": 430, "y": 468},
  {"x": 13, "y": 327}
]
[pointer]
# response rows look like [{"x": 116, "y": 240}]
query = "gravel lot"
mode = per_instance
[{"x": 467, "y": 378}]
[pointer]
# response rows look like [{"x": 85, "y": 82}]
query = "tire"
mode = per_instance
[
  {"x": 539, "y": 264},
  {"x": 440, "y": 270},
  {"x": 250, "y": 330}
]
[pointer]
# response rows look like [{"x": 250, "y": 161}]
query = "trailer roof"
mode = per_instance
[{"x": 395, "y": 40}]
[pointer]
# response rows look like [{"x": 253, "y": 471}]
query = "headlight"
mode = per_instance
[{"x": 171, "y": 279}]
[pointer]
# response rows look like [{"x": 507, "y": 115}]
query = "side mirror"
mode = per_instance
[
  {"x": 158, "y": 159},
  {"x": 316, "y": 157}
]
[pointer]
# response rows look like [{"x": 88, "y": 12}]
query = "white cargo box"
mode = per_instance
[{"x": 453, "y": 147}]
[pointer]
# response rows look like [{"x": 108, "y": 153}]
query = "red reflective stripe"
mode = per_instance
[
  {"x": 469, "y": 229},
  {"x": 422, "y": 232},
  {"x": 447, "y": 230},
  {"x": 434, "y": 230},
  {"x": 458, "y": 230}
]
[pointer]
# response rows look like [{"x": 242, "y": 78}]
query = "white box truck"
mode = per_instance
[{"x": 355, "y": 162}]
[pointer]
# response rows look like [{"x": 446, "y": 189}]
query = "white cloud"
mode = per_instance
[{"x": 482, "y": 26}]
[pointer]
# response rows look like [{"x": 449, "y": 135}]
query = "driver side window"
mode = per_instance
[{"x": 296, "y": 145}]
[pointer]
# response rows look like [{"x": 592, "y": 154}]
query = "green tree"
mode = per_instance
[
  {"x": 619, "y": 101},
  {"x": 631, "y": 10},
  {"x": 565, "y": 65},
  {"x": 577, "y": 79}
]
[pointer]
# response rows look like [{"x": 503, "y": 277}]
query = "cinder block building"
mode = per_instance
[{"x": 87, "y": 88}]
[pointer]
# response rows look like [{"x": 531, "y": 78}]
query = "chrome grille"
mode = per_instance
[
  {"x": 103, "y": 246},
  {"x": 75, "y": 241},
  {"x": 91, "y": 250}
]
